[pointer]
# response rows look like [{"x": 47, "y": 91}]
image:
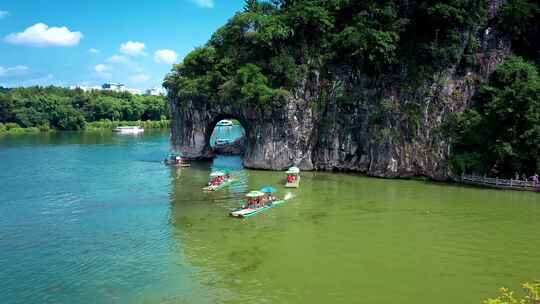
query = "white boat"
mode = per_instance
[
  {"x": 129, "y": 130},
  {"x": 225, "y": 123},
  {"x": 223, "y": 141}
]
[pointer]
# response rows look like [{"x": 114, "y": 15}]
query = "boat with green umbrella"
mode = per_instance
[
  {"x": 257, "y": 202},
  {"x": 293, "y": 178},
  {"x": 218, "y": 180}
]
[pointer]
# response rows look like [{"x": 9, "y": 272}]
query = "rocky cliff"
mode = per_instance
[{"x": 389, "y": 127}]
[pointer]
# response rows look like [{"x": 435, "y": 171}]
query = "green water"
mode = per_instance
[{"x": 96, "y": 218}]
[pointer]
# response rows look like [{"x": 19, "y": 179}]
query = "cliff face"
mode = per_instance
[{"x": 391, "y": 129}]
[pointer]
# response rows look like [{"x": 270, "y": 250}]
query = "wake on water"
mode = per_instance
[{"x": 288, "y": 196}]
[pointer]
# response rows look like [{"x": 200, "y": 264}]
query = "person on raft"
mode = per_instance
[
  {"x": 253, "y": 203},
  {"x": 291, "y": 178},
  {"x": 217, "y": 181},
  {"x": 270, "y": 198}
]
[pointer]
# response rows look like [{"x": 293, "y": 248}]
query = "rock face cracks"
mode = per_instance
[
  {"x": 388, "y": 129},
  {"x": 389, "y": 133}
]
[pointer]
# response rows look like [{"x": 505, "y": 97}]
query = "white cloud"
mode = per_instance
[
  {"x": 133, "y": 48},
  {"x": 124, "y": 64},
  {"x": 165, "y": 56},
  {"x": 140, "y": 78},
  {"x": 19, "y": 70},
  {"x": 23, "y": 76},
  {"x": 101, "y": 68},
  {"x": 41, "y": 35},
  {"x": 42, "y": 81},
  {"x": 118, "y": 59},
  {"x": 93, "y": 51},
  {"x": 3, "y": 14},
  {"x": 204, "y": 3}
]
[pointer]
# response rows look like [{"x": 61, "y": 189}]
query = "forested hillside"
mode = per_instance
[
  {"x": 398, "y": 72},
  {"x": 63, "y": 109}
]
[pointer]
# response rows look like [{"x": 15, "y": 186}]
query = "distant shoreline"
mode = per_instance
[{"x": 15, "y": 129}]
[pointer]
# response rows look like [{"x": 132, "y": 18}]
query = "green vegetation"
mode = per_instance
[
  {"x": 109, "y": 124},
  {"x": 500, "y": 135},
  {"x": 13, "y": 128},
  {"x": 273, "y": 48},
  {"x": 531, "y": 291},
  {"x": 266, "y": 52},
  {"x": 520, "y": 20},
  {"x": 52, "y": 108}
]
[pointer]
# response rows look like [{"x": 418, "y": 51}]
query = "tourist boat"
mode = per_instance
[
  {"x": 225, "y": 123},
  {"x": 294, "y": 174},
  {"x": 254, "y": 197},
  {"x": 215, "y": 175},
  {"x": 223, "y": 141},
  {"x": 129, "y": 130},
  {"x": 177, "y": 160}
]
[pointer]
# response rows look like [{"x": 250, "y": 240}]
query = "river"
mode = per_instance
[{"x": 96, "y": 218}]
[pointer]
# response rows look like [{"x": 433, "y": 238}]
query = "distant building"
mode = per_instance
[
  {"x": 133, "y": 91},
  {"x": 115, "y": 87},
  {"x": 109, "y": 87},
  {"x": 85, "y": 88},
  {"x": 157, "y": 91}
]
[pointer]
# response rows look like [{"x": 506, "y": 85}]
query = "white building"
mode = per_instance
[
  {"x": 85, "y": 88},
  {"x": 157, "y": 91},
  {"x": 115, "y": 87},
  {"x": 109, "y": 87},
  {"x": 133, "y": 91}
]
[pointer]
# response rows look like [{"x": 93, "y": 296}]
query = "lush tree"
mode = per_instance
[
  {"x": 290, "y": 40},
  {"x": 501, "y": 133},
  {"x": 65, "y": 109},
  {"x": 249, "y": 85},
  {"x": 520, "y": 20},
  {"x": 531, "y": 290}
]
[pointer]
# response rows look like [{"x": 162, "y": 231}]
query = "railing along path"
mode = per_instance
[{"x": 500, "y": 183}]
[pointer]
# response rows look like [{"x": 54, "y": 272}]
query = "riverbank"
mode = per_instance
[
  {"x": 15, "y": 129},
  {"x": 108, "y": 124}
]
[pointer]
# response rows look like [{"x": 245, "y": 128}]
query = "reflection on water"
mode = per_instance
[
  {"x": 85, "y": 218},
  {"x": 96, "y": 218}
]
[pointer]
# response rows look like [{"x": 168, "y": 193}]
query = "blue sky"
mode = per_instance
[{"x": 67, "y": 42}]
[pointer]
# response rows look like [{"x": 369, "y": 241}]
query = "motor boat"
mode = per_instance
[
  {"x": 129, "y": 130},
  {"x": 225, "y": 123}
]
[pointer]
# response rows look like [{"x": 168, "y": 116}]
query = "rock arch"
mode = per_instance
[
  {"x": 235, "y": 148},
  {"x": 274, "y": 138}
]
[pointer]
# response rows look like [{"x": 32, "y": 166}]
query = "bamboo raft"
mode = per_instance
[
  {"x": 249, "y": 212},
  {"x": 294, "y": 184},
  {"x": 508, "y": 184},
  {"x": 220, "y": 186}
]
